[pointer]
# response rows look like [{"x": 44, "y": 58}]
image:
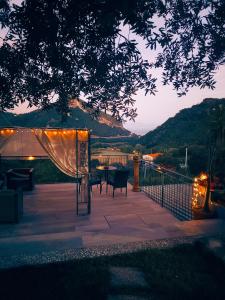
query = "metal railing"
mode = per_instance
[{"x": 168, "y": 188}]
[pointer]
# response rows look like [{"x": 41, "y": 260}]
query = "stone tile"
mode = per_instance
[
  {"x": 50, "y": 215},
  {"x": 109, "y": 238},
  {"x": 154, "y": 225},
  {"x": 132, "y": 277},
  {"x": 164, "y": 219},
  {"x": 39, "y": 245},
  {"x": 127, "y": 219},
  {"x": 93, "y": 227}
]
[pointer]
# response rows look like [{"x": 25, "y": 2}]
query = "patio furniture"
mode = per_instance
[
  {"x": 20, "y": 178},
  {"x": 11, "y": 206},
  {"x": 78, "y": 181},
  {"x": 118, "y": 180},
  {"x": 106, "y": 170},
  {"x": 95, "y": 179}
]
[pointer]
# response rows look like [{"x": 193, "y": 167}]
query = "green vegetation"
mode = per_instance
[
  {"x": 44, "y": 170},
  {"x": 189, "y": 127},
  {"x": 54, "y": 50},
  {"x": 51, "y": 118},
  {"x": 183, "y": 272},
  {"x": 201, "y": 130}
]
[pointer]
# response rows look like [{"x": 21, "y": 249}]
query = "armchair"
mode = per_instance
[
  {"x": 22, "y": 177},
  {"x": 95, "y": 179},
  {"x": 118, "y": 180}
]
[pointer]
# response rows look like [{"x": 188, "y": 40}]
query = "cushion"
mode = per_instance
[{"x": 19, "y": 175}]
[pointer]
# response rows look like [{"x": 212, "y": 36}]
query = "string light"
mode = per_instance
[
  {"x": 7, "y": 131},
  {"x": 199, "y": 190},
  {"x": 31, "y": 158}
]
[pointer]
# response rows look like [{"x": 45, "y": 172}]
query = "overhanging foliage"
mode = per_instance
[{"x": 61, "y": 49}]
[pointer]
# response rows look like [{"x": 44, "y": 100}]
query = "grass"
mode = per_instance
[{"x": 183, "y": 272}]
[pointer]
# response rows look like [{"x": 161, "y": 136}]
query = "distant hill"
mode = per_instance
[
  {"x": 188, "y": 127},
  {"x": 77, "y": 118}
]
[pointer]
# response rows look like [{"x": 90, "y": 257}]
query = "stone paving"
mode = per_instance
[
  {"x": 126, "y": 278},
  {"x": 50, "y": 225}
]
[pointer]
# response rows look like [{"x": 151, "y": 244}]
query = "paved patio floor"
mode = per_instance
[{"x": 50, "y": 222}]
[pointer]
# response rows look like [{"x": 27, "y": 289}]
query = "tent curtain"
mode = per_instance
[
  {"x": 5, "y": 135},
  {"x": 68, "y": 149},
  {"x": 22, "y": 145}
]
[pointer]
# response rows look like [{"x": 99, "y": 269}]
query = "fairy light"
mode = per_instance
[
  {"x": 30, "y": 157},
  {"x": 199, "y": 189},
  {"x": 7, "y": 131}
]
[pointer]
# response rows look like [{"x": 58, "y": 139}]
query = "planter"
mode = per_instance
[
  {"x": 220, "y": 211},
  {"x": 200, "y": 213}
]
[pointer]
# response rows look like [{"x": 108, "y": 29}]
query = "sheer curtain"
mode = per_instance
[
  {"x": 5, "y": 135},
  {"x": 67, "y": 148}
]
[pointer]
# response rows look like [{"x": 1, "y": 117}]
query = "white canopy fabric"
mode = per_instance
[
  {"x": 5, "y": 135},
  {"x": 61, "y": 146},
  {"x": 22, "y": 144},
  {"x": 67, "y": 148}
]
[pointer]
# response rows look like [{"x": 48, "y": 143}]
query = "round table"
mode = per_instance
[{"x": 106, "y": 169}]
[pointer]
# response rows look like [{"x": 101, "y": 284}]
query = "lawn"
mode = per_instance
[{"x": 183, "y": 272}]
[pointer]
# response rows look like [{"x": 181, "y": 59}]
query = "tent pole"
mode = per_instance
[
  {"x": 89, "y": 170},
  {"x": 77, "y": 190}
]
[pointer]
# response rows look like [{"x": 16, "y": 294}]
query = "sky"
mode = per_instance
[{"x": 154, "y": 110}]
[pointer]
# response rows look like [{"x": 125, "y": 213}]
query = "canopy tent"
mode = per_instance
[
  {"x": 67, "y": 148},
  {"x": 5, "y": 135},
  {"x": 21, "y": 144}
]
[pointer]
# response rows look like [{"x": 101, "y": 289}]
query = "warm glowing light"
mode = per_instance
[
  {"x": 82, "y": 135},
  {"x": 203, "y": 176},
  {"x": 31, "y": 158},
  {"x": 7, "y": 131},
  {"x": 199, "y": 190}
]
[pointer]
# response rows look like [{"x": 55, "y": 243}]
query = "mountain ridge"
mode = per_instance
[
  {"x": 78, "y": 117},
  {"x": 189, "y": 126}
]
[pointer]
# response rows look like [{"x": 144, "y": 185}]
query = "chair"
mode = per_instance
[
  {"x": 11, "y": 206},
  {"x": 22, "y": 177},
  {"x": 78, "y": 181},
  {"x": 118, "y": 180},
  {"x": 95, "y": 179}
]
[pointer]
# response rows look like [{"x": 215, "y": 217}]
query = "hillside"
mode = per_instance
[
  {"x": 77, "y": 118},
  {"x": 188, "y": 127}
]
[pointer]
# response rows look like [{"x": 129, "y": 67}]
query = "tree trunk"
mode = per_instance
[
  {"x": 212, "y": 151},
  {"x": 207, "y": 197}
]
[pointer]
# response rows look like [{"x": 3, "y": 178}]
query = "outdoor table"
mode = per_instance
[{"x": 106, "y": 170}]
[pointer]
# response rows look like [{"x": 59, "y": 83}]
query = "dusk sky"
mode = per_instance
[{"x": 154, "y": 110}]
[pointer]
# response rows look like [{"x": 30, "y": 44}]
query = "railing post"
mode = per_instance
[
  {"x": 162, "y": 184},
  {"x": 136, "y": 187}
]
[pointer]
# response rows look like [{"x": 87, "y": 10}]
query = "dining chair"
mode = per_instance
[{"x": 118, "y": 180}]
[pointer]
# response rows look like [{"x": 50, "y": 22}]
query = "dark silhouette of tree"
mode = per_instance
[
  {"x": 216, "y": 142},
  {"x": 65, "y": 48}
]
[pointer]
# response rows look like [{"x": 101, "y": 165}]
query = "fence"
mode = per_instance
[{"x": 170, "y": 189}]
